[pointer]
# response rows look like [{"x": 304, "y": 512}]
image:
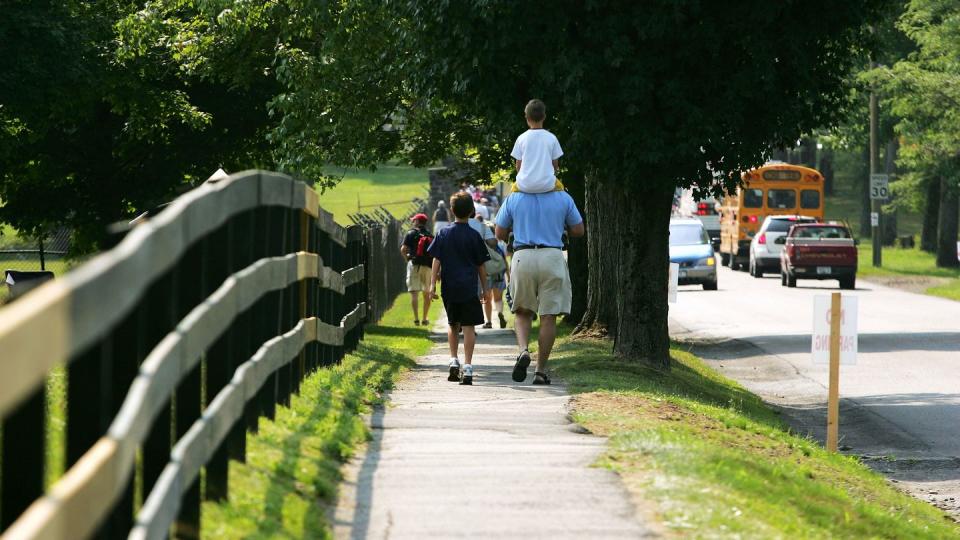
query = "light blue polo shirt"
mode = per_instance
[{"x": 538, "y": 218}]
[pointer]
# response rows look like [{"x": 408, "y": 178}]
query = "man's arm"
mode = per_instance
[
  {"x": 517, "y": 163},
  {"x": 503, "y": 233},
  {"x": 576, "y": 231},
  {"x": 556, "y": 166},
  {"x": 404, "y": 250}
]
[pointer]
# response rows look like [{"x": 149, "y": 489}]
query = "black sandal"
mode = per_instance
[{"x": 540, "y": 378}]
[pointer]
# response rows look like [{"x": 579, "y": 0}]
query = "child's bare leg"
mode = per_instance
[
  {"x": 453, "y": 339},
  {"x": 426, "y": 305},
  {"x": 488, "y": 307},
  {"x": 415, "y": 304},
  {"x": 469, "y": 340}
]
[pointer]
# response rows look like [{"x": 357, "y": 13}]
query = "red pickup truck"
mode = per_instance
[{"x": 819, "y": 251}]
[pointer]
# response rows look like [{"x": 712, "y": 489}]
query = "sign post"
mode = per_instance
[
  {"x": 834, "y": 341},
  {"x": 833, "y": 396}
]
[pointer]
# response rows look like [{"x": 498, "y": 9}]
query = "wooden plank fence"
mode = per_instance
[{"x": 235, "y": 292}]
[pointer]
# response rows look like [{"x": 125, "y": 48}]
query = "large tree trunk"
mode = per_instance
[
  {"x": 577, "y": 258},
  {"x": 947, "y": 224},
  {"x": 599, "y": 318},
  {"x": 629, "y": 257},
  {"x": 931, "y": 215}
]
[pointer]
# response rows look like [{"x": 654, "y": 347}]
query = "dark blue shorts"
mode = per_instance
[{"x": 468, "y": 313}]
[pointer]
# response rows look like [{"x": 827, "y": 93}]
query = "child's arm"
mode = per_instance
[
  {"x": 483, "y": 282},
  {"x": 434, "y": 278}
]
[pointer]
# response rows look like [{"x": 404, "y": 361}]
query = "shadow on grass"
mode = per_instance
[
  {"x": 299, "y": 454},
  {"x": 588, "y": 365}
]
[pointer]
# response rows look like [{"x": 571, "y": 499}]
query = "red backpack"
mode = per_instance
[{"x": 423, "y": 243}]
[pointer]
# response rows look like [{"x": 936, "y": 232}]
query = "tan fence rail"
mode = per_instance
[{"x": 175, "y": 342}]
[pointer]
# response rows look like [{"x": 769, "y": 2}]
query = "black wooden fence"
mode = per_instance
[{"x": 235, "y": 292}]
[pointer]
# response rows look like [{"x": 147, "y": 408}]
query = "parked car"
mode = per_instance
[
  {"x": 764, "y": 249},
  {"x": 819, "y": 251},
  {"x": 706, "y": 210},
  {"x": 690, "y": 247}
]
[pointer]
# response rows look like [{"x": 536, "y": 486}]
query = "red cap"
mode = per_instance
[{"x": 417, "y": 217}]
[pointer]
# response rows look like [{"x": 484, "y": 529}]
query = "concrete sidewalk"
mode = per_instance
[{"x": 495, "y": 460}]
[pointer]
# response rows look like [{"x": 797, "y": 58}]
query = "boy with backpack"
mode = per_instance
[
  {"x": 458, "y": 256},
  {"x": 419, "y": 261}
]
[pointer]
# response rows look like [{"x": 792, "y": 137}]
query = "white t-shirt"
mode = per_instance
[
  {"x": 536, "y": 149},
  {"x": 478, "y": 226},
  {"x": 482, "y": 211}
]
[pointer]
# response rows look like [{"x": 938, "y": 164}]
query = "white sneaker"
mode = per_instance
[
  {"x": 466, "y": 374},
  {"x": 454, "y": 375}
]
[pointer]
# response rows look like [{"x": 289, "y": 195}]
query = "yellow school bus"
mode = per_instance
[{"x": 774, "y": 189}]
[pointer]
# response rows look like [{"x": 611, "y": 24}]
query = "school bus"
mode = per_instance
[{"x": 774, "y": 189}]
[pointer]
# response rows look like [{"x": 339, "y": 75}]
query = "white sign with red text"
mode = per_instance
[{"x": 820, "y": 340}]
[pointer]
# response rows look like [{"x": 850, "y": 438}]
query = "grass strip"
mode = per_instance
[
  {"x": 718, "y": 463},
  {"x": 911, "y": 262},
  {"x": 293, "y": 463}
]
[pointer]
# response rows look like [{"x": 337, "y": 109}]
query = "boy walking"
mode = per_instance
[{"x": 458, "y": 255}]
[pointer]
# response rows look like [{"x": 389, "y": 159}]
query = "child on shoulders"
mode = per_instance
[{"x": 536, "y": 153}]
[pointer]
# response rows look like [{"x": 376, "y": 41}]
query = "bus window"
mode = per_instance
[
  {"x": 781, "y": 198},
  {"x": 810, "y": 198},
  {"x": 753, "y": 198}
]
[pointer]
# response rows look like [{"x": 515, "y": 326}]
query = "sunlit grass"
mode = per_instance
[
  {"x": 717, "y": 463},
  {"x": 293, "y": 463},
  {"x": 392, "y": 186}
]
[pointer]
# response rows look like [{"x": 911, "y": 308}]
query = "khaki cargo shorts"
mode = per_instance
[
  {"x": 418, "y": 277},
  {"x": 540, "y": 281}
]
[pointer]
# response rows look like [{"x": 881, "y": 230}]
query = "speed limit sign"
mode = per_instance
[{"x": 879, "y": 186}]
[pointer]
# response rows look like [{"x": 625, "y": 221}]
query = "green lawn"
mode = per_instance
[
  {"x": 715, "y": 462},
  {"x": 392, "y": 186},
  {"x": 293, "y": 463},
  {"x": 910, "y": 262}
]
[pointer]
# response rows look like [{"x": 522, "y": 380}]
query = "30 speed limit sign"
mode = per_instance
[{"x": 879, "y": 186}]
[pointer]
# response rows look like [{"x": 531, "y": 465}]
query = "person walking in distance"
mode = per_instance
[
  {"x": 458, "y": 256},
  {"x": 539, "y": 278},
  {"x": 441, "y": 217},
  {"x": 419, "y": 261}
]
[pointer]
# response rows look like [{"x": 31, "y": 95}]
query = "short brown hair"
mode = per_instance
[
  {"x": 462, "y": 204},
  {"x": 535, "y": 110}
]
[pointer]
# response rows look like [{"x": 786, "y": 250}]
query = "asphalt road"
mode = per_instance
[{"x": 900, "y": 404}]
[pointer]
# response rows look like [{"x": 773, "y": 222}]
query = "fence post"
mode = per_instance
[
  {"x": 194, "y": 287},
  {"x": 286, "y": 304},
  {"x": 219, "y": 358},
  {"x": 23, "y": 452}
]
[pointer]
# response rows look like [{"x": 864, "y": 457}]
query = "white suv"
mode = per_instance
[{"x": 764, "y": 250}]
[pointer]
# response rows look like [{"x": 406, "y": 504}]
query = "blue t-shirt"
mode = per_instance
[
  {"x": 460, "y": 251},
  {"x": 538, "y": 218}
]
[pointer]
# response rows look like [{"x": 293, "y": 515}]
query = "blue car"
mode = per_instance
[{"x": 690, "y": 247}]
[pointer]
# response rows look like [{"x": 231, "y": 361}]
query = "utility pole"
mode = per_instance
[{"x": 877, "y": 204}]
